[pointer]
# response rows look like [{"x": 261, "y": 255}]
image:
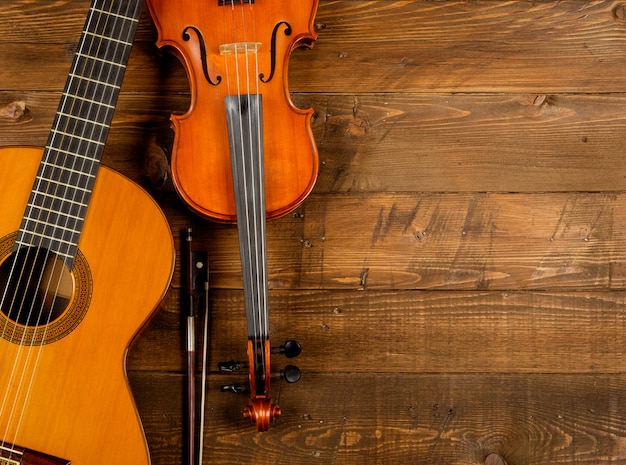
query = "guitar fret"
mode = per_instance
[
  {"x": 101, "y": 60},
  {"x": 23, "y": 243},
  {"x": 62, "y": 199},
  {"x": 104, "y": 95},
  {"x": 54, "y": 211},
  {"x": 63, "y": 184},
  {"x": 75, "y": 136},
  {"x": 88, "y": 100},
  {"x": 95, "y": 81},
  {"x": 86, "y": 120},
  {"x": 55, "y": 226},
  {"x": 74, "y": 154},
  {"x": 111, "y": 39},
  {"x": 116, "y": 15},
  {"x": 71, "y": 170}
]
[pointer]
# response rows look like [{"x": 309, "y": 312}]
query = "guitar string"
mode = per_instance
[
  {"x": 83, "y": 196},
  {"x": 55, "y": 263},
  {"x": 86, "y": 135},
  {"x": 21, "y": 345},
  {"x": 28, "y": 279}
]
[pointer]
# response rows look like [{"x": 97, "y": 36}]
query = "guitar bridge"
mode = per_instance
[{"x": 19, "y": 456}]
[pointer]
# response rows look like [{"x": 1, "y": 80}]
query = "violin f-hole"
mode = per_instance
[
  {"x": 203, "y": 54},
  {"x": 218, "y": 79},
  {"x": 288, "y": 32}
]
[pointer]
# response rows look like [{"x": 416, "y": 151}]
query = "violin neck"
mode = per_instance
[{"x": 244, "y": 115}]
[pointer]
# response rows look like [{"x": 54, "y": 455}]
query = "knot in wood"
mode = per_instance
[
  {"x": 619, "y": 13},
  {"x": 14, "y": 110}
]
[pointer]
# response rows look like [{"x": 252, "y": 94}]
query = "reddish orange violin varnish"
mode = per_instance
[
  {"x": 243, "y": 152},
  {"x": 201, "y": 165}
]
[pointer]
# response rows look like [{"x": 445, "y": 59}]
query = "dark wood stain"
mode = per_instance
[{"x": 457, "y": 278}]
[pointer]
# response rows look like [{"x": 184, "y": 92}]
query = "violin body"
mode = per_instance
[{"x": 235, "y": 48}]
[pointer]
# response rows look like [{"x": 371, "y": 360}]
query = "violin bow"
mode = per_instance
[{"x": 196, "y": 272}]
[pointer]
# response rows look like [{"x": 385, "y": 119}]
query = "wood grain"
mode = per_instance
[
  {"x": 454, "y": 419},
  {"x": 410, "y": 46},
  {"x": 401, "y": 143},
  {"x": 448, "y": 241},
  {"x": 411, "y": 332},
  {"x": 457, "y": 276}
]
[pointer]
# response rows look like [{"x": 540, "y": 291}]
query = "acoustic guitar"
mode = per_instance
[{"x": 84, "y": 261}]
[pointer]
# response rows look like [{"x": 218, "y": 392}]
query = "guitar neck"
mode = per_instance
[{"x": 59, "y": 199}]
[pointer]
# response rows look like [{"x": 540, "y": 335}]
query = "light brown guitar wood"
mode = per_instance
[{"x": 79, "y": 406}]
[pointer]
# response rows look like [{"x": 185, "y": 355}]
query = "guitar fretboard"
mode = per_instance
[{"x": 60, "y": 196}]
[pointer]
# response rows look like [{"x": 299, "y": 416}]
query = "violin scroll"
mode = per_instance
[{"x": 262, "y": 412}]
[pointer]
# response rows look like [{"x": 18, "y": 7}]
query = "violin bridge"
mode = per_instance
[
  {"x": 234, "y": 2},
  {"x": 247, "y": 48}
]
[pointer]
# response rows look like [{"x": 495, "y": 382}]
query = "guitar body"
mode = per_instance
[{"x": 69, "y": 396}]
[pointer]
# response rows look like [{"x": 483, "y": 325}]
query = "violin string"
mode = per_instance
[
  {"x": 50, "y": 285},
  {"x": 259, "y": 212},
  {"x": 263, "y": 323},
  {"x": 253, "y": 227},
  {"x": 245, "y": 219},
  {"x": 258, "y": 216}
]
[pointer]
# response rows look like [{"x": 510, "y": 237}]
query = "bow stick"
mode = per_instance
[{"x": 196, "y": 273}]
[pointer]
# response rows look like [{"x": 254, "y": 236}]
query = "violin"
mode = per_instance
[{"x": 243, "y": 152}]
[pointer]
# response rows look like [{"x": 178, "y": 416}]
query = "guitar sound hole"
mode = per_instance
[{"x": 36, "y": 287}]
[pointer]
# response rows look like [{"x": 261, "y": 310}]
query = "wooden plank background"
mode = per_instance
[{"x": 457, "y": 278}]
